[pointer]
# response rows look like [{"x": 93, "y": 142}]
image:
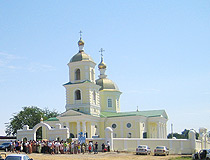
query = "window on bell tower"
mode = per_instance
[
  {"x": 77, "y": 74},
  {"x": 109, "y": 102},
  {"x": 94, "y": 97},
  {"x": 77, "y": 95}
]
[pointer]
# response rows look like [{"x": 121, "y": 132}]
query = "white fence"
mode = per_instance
[{"x": 176, "y": 146}]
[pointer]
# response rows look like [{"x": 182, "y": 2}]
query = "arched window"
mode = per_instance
[
  {"x": 129, "y": 135},
  {"x": 77, "y": 95},
  {"x": 114, "y": 135},
  {"x": 77, "y": 74}
]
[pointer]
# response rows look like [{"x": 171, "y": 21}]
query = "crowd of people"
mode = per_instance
[{"x": 57, "y": 147}]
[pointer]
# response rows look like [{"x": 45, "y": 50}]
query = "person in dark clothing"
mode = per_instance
[
  {"x": 103, "y": 147},
  {"x": 108, "y": 146},
  {"x": 24, "y": 146},
  {"x": 96, "y": 148}
]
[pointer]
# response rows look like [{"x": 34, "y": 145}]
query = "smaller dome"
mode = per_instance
[
  {"x": 81, "y": 42},
  {"x": 106, "y": 83},
  {"x": 102, "y": 65}
]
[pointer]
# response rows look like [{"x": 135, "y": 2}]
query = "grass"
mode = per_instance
[{"x": 181, "y": 158}]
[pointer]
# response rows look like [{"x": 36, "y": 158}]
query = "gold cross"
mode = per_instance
[
  {"x": 80, "y": 34},
  {"x": 101, "y": 50}
]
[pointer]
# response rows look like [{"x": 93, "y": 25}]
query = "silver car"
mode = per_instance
[
  {"x": 17, "y": 157},
  {"x": 143, "y": 149},
  {"x": 161, "y": 150}
]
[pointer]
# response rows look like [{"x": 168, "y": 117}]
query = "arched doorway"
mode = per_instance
[
  {"x": 44, "y": 135},
  {"x": 71, "y": 135},
  {"x": 39, "y": 134},
  {"x": 25, "y": 139}
]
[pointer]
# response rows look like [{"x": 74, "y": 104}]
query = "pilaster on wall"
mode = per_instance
[{"x": 109, "y": 137}]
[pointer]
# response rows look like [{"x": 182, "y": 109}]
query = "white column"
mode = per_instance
[
  {"x": 67, "y": 125},
  {"x": 84, "y": 127},
  {"x": 158, "y": 130},
  {"x": 78, "y": 128},
  {"x": 89, "y": 129},
  {"x": 165, "y": 130}
]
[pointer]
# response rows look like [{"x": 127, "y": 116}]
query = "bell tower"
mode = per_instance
[{"x": 82, "y": 93}]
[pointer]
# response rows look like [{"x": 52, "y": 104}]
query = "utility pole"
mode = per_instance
[{"x": 172, "y": 130}]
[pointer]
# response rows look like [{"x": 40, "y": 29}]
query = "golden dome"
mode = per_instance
[
  {"x": 102, "y": 65},
  {"x": 81, "y": 42}
]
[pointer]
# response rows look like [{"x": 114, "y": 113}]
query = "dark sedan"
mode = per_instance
[{"x": 5, "y": 146}]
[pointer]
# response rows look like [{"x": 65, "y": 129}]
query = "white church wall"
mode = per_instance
[{"x": 181, "y": 146}]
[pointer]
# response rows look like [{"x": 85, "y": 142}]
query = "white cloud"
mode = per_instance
[
  {"x": 34, "y": 67},
  {"x": 7, "y": 61}
]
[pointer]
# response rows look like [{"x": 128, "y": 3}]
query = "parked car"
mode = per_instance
[
  {"x": 143, "y": 149},
  {"x": 5, "y": 146},
  {"x": 161, "y": 150},
  {"x": 202, "y": 154},
  {"x": 17, "y": 157}
]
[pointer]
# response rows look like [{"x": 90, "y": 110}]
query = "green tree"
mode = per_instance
[
  {"x": 28, "y": 116},
  {"x": 183, "y": 135}
]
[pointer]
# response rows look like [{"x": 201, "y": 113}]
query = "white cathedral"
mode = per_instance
[{"x": 92, "y": 105}]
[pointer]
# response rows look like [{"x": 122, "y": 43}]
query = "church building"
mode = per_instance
[{"x": 94, "y": 104}]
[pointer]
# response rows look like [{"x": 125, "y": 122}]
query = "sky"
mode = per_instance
[{"x": 157, "y": 52}]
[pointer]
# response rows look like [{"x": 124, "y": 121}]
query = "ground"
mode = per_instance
[{"x": 104, "y": 156}]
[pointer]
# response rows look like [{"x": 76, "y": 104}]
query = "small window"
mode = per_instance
[
  {"x": 94, "y": 97},
  {"x": 77, "y": 95},
  {"x": 129, "y": 135},
  {"x": 114, "y": 125},
  {"x": 77, "y": 74},
  {"x": 114, "y": 135},
  {"x": 129, "y": 125},
  {"x": 109, "y": 102},
  {"x": 145, "y": 135}
]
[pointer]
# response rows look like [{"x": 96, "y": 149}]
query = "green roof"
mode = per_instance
[
  {"x": 150, "y": 113},
  {"x": 69, "y": 83},
  {"x": 81, "y": 56},
  {"x": 52, "y": 119}
]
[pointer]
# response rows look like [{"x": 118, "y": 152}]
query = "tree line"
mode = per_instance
[{"x": 28, "y": 116}]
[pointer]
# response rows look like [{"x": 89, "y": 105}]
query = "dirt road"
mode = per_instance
[{"x": 100, "y": 156}]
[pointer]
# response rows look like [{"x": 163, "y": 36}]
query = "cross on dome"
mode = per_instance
[
  {"x": 80, "y": 32},
  {"x": 102, "y": 50},
  {"x": 102, "y": 65},
  {"x": 81, "y": 43}
]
